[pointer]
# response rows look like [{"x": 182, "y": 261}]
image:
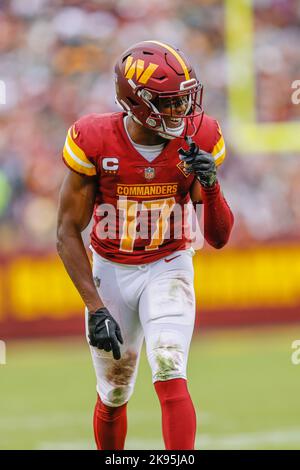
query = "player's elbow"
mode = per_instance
[
  {"x": 219, "y": 243},
  {"x": 60, "y": 240},
  {"x": 68, "y": 232},
  {"x": 61, "y": 236},
  {"x": 219, "y": 238}
]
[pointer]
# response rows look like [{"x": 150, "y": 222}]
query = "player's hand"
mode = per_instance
[
  {"x": 104, "y": 332},
  {"x": 199, "y": 162}
]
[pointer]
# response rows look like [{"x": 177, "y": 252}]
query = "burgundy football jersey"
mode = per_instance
[{"x": 140, "y": 209}]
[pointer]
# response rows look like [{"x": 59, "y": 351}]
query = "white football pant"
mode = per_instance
[{"x": 155, "y": 301}]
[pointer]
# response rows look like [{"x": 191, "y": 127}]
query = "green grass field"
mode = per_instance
[{"x": 245, "y": 389}]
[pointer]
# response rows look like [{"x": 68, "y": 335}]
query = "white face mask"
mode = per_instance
[{"x": 174, "y": 131}]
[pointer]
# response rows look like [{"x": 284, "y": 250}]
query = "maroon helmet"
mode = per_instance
[{"x": 152, "y": 76}]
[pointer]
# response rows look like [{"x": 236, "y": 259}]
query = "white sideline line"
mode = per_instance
[{"x": 205, "y": 441}]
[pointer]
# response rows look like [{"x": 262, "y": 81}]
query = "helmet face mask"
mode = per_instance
[
  {"x": 162, "y": 94},
  {"x": 175, "y": 112}
]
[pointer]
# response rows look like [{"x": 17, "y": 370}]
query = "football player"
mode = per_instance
[{"x": 135, "y": 172}]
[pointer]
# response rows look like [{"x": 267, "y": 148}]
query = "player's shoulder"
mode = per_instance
[
  {"x": 209, "y": 132},
  {"x": 94, "y": 123},
  {"x": 85, "y": 141},
  {"x": 209, "y": 138},
  {"x": 98, "y": 120},
  {"x": 88, "y": 130}
]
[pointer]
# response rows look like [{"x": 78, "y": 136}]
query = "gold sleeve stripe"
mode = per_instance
[
  {"x": 77, "y": 166},
  {"x": 76, "y": 158},
  {"x": 86, "y": 163},
  {"x": 175, "y": 54},
  {"x": 219, "y": 151},
  {"x": 76, "y": 151}
]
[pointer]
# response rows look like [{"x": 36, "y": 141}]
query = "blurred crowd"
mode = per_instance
[{"x": 56, "y": 60}]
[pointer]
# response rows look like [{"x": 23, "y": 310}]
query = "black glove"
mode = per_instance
[
  {"x": 104, "y": 332},
  {"x": 199, "y": 162}
]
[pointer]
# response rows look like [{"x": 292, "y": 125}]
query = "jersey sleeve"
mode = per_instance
[
  {"x": 75, "y": 151},
  {"x": 219, "y": 149}
]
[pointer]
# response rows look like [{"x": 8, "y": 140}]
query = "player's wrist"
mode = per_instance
[
  {"x": 214, "y": 185},
  {"x": 207, "y": 182},
  {"x": 214, "y": 190},
  {"x": 99, "y": 312},
  {"x": 94, "y": 307}
]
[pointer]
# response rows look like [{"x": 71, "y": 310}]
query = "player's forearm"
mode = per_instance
[
  {"x": 78, "y": 267},
  {"x": 218, "y": 218}
]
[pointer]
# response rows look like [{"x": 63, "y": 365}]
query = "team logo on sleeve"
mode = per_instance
[
  {"x": 149, "y": 173},
  {"x": 110, "y": 164},
  {"x": 74, "y": 133}
]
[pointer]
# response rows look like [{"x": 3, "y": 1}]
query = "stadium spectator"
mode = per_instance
[{"x": 56, "y": 62}]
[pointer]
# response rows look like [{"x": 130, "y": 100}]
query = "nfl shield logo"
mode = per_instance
[{"x": 149, "y": 173}]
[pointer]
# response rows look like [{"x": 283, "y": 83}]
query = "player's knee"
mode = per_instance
[
  {"x": 168, "y": 358},
  {"x": 120, "y": 379},
  {"x": 117, "y": 396}
]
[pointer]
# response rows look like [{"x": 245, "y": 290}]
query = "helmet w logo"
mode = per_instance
[{"x": 138, "y": 68}]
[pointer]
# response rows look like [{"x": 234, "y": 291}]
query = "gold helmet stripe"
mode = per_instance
[{"x": 175, "y": 54}]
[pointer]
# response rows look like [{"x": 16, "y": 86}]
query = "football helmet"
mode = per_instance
[{"x": 158, "y": 88}]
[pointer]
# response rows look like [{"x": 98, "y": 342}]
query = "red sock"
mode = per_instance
[
  {"x": 110, "y": 426},
  {"x": 178, "y": 414}
]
